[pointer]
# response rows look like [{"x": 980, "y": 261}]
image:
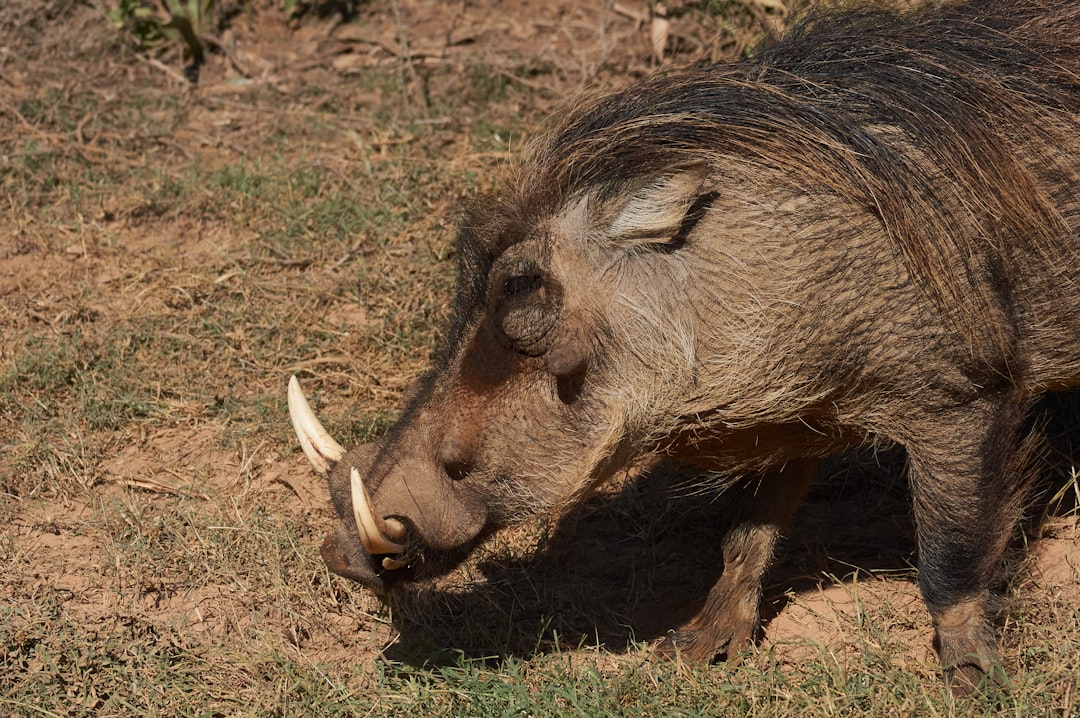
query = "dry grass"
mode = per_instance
[{"x": 171, "y": 254}]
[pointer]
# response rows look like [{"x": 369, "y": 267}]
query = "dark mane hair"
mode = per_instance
[{"x": 918, "y": 117}]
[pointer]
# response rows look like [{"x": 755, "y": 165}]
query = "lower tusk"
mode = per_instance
[
  {"x": 393, "y": 530},
  {"x": 372, "y": 529},
  {"x": 319, "y": 447},
  {"x": 393, "y": 564}
]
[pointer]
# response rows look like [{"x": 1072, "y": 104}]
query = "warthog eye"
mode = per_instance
[
  {"x": 524, "y": 301},
  {"x": 521, "y": 285}
]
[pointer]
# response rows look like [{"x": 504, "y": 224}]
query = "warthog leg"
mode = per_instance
[
  {"x": 762, "y": 507},
  {"x": 968, "y": 485}
]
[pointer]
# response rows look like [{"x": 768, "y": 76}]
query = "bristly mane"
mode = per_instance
[{"x": 883, "y": 109}]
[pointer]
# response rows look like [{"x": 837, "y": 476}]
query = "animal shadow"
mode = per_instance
[{"x": 638, "y": 560}]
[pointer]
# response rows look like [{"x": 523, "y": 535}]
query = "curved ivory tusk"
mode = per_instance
[
  {"x": 372, "y": 529},
  {"x": 320, "y": 448},
  {"x": 393, "y": 564}
]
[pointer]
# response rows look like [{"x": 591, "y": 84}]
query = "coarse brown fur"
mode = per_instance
[{"x": 868, "y": 232}]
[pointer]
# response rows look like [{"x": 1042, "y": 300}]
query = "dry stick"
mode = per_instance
[
  {"x": 229, "y": 50},
  {"x": 158, "y": 65},
  {"x": 8, "y": 106},
  {"x": 536, "y": 86},
  {"x": 761, "y": 16},
  {"x": 636, "y": 15},
  {"x": 407, "y": 57},
  {"x": 453, "y": 25}
]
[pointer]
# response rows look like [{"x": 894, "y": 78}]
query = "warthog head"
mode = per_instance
[{"x": 544, "y": 385}]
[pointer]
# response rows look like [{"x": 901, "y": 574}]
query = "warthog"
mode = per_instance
[{"x": 867, "y": 234}]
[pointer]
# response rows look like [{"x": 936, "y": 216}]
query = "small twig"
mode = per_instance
[
  {"x": 760, "y": 15},
  {"x": 317, "y": 361},
  {"x": 159, "y": 65},
  {"x": 157, "y": 487},
  {"x": 160, "y": 487},
  {"x": 403, "y": 40},
  {"x": 246, "y": 460},
  {"x": 536, "y": 86},
  {"x": 228, "y": 49},
  {"x": 6, "y": 106},
  {"x": 407, "y": 57},
  {"x": 637, "y": 16},
  {"x": 281, "y": 262}
]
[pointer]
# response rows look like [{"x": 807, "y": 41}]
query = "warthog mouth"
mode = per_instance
[{"x": 379, "y": 536}]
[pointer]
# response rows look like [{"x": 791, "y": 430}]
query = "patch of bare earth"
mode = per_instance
[{"x": 1055, "y": 562}]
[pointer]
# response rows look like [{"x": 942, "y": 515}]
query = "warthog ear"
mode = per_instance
[{"x": 661, "y": 211}]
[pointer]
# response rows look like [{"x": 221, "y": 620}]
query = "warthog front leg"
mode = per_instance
[
  {"x": 968, "y": 484},
  {"x": 729, "y": 621}
]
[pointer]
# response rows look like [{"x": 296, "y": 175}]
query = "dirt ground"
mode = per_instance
[{"x": 174, "y": 251}]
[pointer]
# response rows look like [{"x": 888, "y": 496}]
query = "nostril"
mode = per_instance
[
  {"x": 455, "y": 455},
  {"x": 457, "y": 470}
]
